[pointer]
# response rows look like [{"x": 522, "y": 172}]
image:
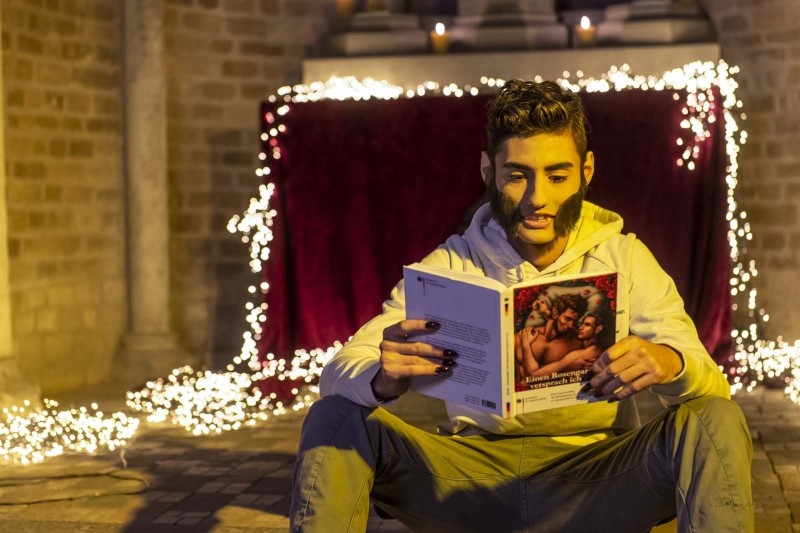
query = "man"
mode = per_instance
[
  {"x": 582, "y": 357},
  {"x": 547, "y": 344},
  {"x": 578, "y": 468}
]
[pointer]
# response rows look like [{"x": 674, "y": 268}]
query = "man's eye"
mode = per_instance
[{"x": 558, "y": 179}]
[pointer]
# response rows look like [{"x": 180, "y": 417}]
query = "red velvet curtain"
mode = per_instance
[{"x": 363, "y": 187}]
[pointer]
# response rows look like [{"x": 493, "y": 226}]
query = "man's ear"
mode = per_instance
[
  {"x": 486, "y": 169},
  {"x": 588, "y": 166},
  {"x": 598, "y": 330}
]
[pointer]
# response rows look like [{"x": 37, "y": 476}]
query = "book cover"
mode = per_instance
[{"x": 560, "y": 329}]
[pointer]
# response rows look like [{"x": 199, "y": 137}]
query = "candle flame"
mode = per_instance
[
  {"x": 585, "y": 23},
  {"x": 439, "y": 28}
]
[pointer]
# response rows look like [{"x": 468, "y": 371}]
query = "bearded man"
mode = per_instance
[{"x": 579, "y": 468}]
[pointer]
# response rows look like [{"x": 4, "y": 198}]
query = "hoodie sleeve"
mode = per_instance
[
  {"x": 658, "y": 316},
  {"x": 349, "y": 373}
]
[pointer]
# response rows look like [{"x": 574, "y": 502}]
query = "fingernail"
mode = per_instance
[
  {"x": 449, "y": 362},
  {"x": 441, "y": 370},
  {"x": 598, "y": 393},
  {"x": 432, "y": 324},
  {"x": 450, "y": 354},
  {"x": 586, "y": 387},
  {"x": 613, "y": 399}
]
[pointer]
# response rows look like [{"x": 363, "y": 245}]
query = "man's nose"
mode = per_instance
[{"x": 536, "y": 194}]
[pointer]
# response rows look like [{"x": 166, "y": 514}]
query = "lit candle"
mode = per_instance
[
  {"x": 440, "y": 39},
  {"x": 585, "y": 32},
  {"x": 345, "y": 8}
]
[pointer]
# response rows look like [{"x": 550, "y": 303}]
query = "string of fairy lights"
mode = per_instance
[{"x": 206, "y": 402}]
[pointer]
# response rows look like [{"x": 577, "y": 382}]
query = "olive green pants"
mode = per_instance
[{"x": 693, "y": 461}]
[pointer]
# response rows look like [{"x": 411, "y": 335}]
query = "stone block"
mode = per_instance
[
  {"x": 71, "y": 124},
  {"x": 214, "y": 90},
  {"x": 81, "y": 149},
  {"x": 298, "y": 8},
  {"x": 53, "y": 73},
  {"x": 733, "y": 23},
  {"x": 58, "y": 347},
  {"x": 241, "y": 6},
  {"x": 29, "y": 45},
  {"x": 58, "y": 148},
  {"x": 270, "y": 7},
  {"x": 239, "y": 69},
  {"x": 202, "y": 22},
  {"x": 96, "y": 78},
  {"x": 46, "y": 122},
  {"x": 261, "y": 49},
  {"x": 773, "y": 241},
  {"x": 77, "y": 102},
  {"x": 47, "y": 320},
  {"x": 23, "y": 193},
  {"x": 244, "y": 26}
]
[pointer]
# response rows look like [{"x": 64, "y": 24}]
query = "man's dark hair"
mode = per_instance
[
  {"x": 597, "y": 320},
  {"x": 526, "y": 108},
  {"x": 570, "y": 301}
]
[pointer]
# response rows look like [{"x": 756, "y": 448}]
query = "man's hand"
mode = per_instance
[
  {"x": 632, "y": 365},
  {"x": 523, "y": 349},
  {"x": 402, "y": 358}
]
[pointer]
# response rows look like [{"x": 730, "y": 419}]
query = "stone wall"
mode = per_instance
[
  {"x": 223, "y": 58},
  {"x": 62, "y": 75},
  {"x": 61, "y": 63},
  {"x": 761, "y": 37}
]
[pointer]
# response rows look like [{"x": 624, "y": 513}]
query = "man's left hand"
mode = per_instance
[{"x": 632, "y": 365}]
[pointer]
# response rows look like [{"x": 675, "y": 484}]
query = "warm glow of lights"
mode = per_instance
[
  {"x": 206, "y": 402},
  {"x": 585, "y": 22},
  {"x": 439, "y": 29},
  {"x": 32, "y": 435}
]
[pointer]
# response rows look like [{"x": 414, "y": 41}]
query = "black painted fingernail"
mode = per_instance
[
  {"x": 441, "y": 370},
  {"x": 450, "y": 354},
  {"x": 449, "y": 362},
  {"x": 613, "y": 399},
  {"x": 598, "y": 393},
  {"x": 432, "y": 324},
  {"x": 586, "y": 387}
]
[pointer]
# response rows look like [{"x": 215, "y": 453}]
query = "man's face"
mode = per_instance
[
  {"x": 587, "y": 328},
  {"x": 566, "y": 320},
  {"x": 542, "y": 304},
  {"x": 538, "y": 187}
]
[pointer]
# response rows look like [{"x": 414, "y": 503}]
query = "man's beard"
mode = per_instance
[{"x": 507, "y": 214}]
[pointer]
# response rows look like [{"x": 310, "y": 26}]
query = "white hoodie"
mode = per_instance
[{"x": 656, "y": 315}]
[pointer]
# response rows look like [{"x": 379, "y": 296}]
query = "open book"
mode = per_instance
[{"x": 523, "y": 348}]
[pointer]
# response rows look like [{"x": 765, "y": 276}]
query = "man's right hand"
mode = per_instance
[{"x": 403, "y": 357}]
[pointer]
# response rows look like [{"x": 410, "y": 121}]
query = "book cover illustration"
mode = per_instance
[{"x": 561, "y": 328}]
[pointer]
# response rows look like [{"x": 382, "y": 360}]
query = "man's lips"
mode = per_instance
[{"x": 537, "y": 220}]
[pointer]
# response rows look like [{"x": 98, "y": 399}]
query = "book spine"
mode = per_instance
[{"x": 507, "y": 353}]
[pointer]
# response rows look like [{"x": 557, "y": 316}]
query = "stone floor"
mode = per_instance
[{"x": 240, "y": 481}]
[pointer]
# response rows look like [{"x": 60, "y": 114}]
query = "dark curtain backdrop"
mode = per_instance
[{"x": 363, "y": 187}]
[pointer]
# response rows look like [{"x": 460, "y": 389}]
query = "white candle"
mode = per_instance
[
  {"x": 585, "y": 33},
  {"x": 440, "y": 40}
]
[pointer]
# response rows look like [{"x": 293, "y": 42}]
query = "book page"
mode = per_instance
[{"x": 469, "y": 315}]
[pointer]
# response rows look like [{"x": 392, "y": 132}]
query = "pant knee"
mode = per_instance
[
  {"x": 324, "y": 419},
  {"x": 720, "y": 411},
  {"x": 330, "y": 407},
  {"x": 721, "y": 418}
]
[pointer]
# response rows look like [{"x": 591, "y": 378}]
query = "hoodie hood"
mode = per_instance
[{"x": 489, "y": 241}]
